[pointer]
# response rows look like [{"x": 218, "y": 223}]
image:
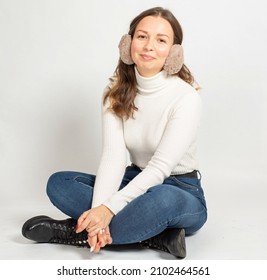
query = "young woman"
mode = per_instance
[{"x": 151, "y": 109}]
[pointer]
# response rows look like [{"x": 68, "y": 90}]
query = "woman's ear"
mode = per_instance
[
  {"x": 125, "y": 49},
  {"x": 175, "y": 60}
]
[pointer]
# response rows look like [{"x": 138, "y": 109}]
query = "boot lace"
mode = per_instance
[
  {"x": 154, "y": 243},
  {"x": 66, "y": 234}
]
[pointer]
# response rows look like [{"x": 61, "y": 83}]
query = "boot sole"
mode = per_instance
[{"x": 181, "y": 244}]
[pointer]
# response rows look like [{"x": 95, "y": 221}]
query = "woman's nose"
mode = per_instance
[{"x": 149, "y": 45}]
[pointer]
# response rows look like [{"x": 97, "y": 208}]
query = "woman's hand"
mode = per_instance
[
  {"x": 94, "y": 220},
  {"x": 100, "y": 240}
]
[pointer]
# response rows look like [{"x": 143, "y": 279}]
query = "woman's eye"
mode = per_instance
[
  {"x": 141, "y": 36},
  {"x": 162, "y": 41}
]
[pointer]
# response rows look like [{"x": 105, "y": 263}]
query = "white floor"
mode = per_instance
[{"x": 236, "y": 228}]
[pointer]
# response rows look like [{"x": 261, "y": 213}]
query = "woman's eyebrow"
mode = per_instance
[
  {"x": 162, "y": 35},
  {"x": 140, "y": 30},
  {"x": 159, "y": 34}
]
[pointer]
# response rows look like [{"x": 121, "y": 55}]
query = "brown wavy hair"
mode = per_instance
[{"x": 122, "y": 94}]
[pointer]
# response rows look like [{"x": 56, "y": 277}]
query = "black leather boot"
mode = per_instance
[
  {"x": 44, "y": 229},
  {"x": 170, "y": 240}
]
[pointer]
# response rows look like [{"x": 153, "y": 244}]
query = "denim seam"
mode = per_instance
[
  {"x": 89, "y": 179},
  {"x": 169, "y": 221},
  {"x": 188, "y": 214}
]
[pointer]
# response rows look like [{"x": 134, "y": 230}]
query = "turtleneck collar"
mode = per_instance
[{"x": 151, "y": 85}]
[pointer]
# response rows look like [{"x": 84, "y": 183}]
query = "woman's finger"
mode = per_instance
[
  {"x": 92, "y": 241},
  {"x": 95, "y": 244},
  {"x": 94, "y": 231},
  {"x": 89, "y": 223},
  {"x": 108, "y": 236},
  {"x": 82, "y": 222},
  {"x": 102, "y": 240}
]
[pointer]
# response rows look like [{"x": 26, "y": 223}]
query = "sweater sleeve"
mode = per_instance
[
  {"x": 113, "y": 160},
  {"x": 179, "y": 133}
]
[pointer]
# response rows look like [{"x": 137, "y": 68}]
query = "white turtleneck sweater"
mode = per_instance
[{"x": 160, "y": 139}]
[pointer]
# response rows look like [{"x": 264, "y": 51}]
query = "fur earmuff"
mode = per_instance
[
  {"x": 125, "y": 49},
  {"x": 175, "y": 60}
]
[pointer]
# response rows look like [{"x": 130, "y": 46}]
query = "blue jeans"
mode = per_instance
[{"x": 177, "y": 203}]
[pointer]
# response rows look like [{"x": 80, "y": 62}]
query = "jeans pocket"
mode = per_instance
[
  {"x": 187, "y": 183},
  {"x": 190, "y": 185}
]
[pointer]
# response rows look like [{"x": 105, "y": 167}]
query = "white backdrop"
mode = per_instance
[{"x": 56, "y": 57}]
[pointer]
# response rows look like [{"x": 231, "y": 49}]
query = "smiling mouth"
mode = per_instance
[{"x": 147, "y": 57}]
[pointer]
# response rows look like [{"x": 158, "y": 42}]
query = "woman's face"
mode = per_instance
[{"x": 152, "y": 41}]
